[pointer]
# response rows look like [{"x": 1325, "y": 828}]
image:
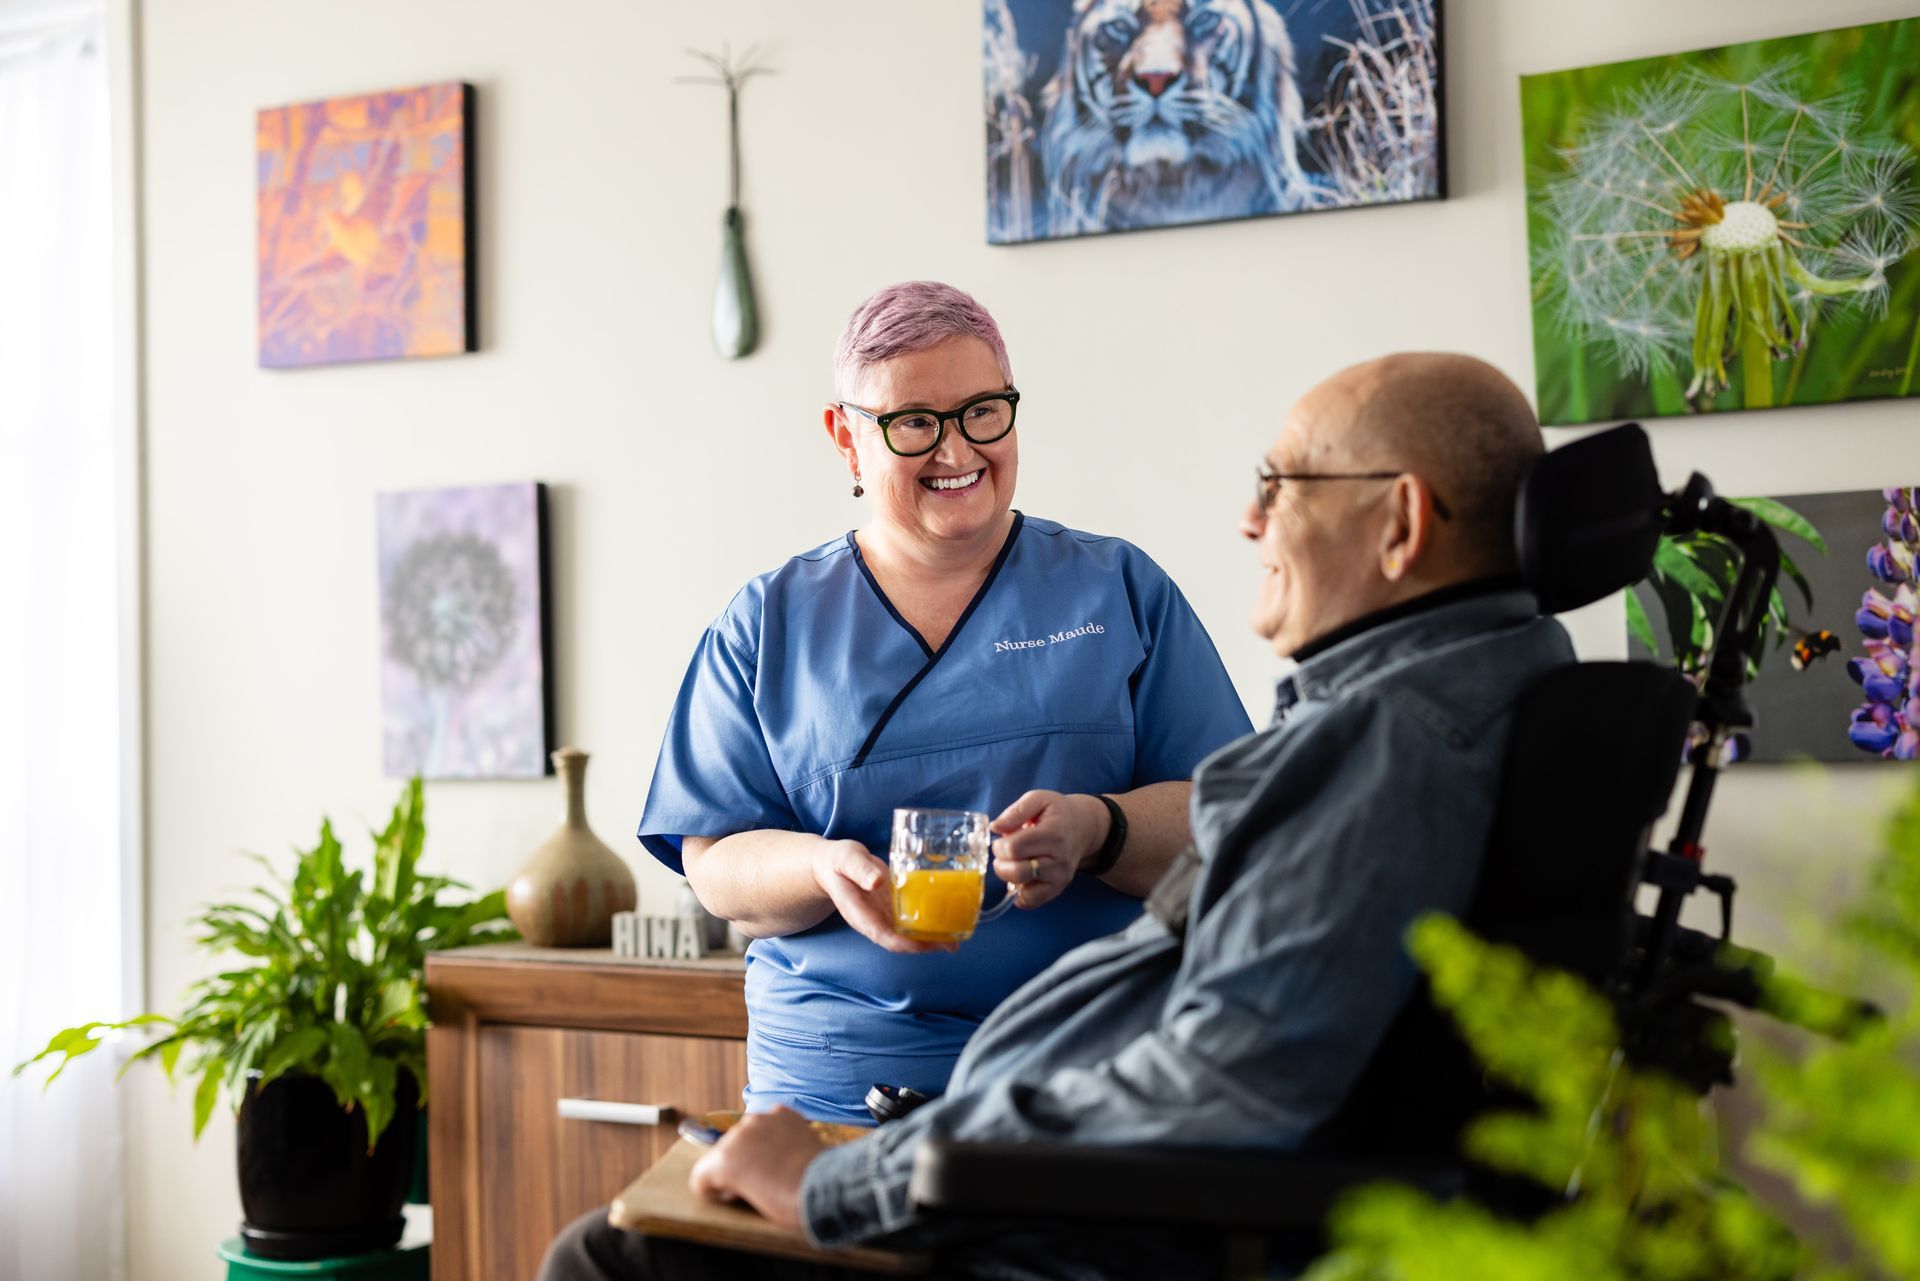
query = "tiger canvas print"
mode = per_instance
[{"x": 1116, "y": 115}]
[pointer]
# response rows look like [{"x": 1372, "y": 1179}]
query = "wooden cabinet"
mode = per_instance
[{"x": 517, "y": 1030}]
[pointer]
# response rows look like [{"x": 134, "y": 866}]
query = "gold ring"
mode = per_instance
[{"x": 1033, "y": 870}]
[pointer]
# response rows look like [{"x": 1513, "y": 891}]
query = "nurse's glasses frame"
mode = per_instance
[
  {"x": 958, "y": 416},
  {"x": 1267, "y": 482}
]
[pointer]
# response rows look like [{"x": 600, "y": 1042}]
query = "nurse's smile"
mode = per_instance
[
  {"x": 931, "y": 437},
  {"x": 947, "y": 484}
]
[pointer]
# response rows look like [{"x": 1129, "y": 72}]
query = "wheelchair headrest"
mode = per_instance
[{"x": 1589, "y": 518}]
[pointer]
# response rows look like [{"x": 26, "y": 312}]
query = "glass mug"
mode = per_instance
[{"x": 939, "y": 863}]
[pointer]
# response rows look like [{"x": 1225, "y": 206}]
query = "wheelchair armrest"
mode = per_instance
[{"x": 1219, "y": 1187}]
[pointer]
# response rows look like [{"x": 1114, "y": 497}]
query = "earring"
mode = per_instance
[{"x": 857, "y": 490}]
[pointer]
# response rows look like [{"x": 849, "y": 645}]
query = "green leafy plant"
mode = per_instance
[
  {"x": 332, "y": 986},
  {"x": 1842, "y": 1119},
  {"x": 1692, "y": 575},
  {"x": 1633, "y": 1148},
  {"x": 1634, "y": 1154}
]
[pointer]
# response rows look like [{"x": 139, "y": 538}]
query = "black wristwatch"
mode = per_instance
[{"x": 1109, "y": 853}]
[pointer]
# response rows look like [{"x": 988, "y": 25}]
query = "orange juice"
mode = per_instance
[{"x": 941, "y": 905}]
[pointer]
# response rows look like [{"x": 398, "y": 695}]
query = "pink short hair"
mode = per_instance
[{"x": 911, "y": 316}]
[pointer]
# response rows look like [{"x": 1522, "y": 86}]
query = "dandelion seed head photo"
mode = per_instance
[{"x": 1727, "y": 229}]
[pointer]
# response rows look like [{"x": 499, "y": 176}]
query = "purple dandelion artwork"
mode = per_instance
[{"x": 466, "y": 667}]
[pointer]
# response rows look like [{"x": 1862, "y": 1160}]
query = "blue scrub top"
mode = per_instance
[{"x": 811, "y": 706}]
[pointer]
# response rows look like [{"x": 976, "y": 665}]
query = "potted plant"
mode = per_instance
[{"x": 318, "y": 1037}]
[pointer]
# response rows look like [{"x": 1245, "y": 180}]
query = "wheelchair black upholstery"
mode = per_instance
[
  {"x": 1592, "y": 763},
  {"x": 1594, "y": 756}
]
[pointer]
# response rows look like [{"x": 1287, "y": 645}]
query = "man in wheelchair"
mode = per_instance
[{"x": 1243, "y": 1007}]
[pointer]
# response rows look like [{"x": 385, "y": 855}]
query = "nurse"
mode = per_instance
[{"x": 951, "y": 653}]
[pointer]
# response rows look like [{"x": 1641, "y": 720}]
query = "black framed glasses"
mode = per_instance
[
  {"x": 1267, "y": 482},
  {"x": 912, "y": 432}
]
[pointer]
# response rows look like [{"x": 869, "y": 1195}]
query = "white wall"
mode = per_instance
[{"x": 1155, "y": 368}]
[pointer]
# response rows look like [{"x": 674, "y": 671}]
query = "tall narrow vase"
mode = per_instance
[
  {"x": 566, "y": 894},
  {"x": 736, "y": 324}
]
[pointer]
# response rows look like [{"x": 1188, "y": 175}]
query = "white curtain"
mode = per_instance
[{"x": 62, "y": 1203}]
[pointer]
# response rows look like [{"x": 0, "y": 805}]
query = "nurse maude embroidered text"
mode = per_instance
[{"x": 1090, "y": 629}]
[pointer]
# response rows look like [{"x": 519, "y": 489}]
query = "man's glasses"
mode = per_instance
[
  {"x": 912, "y": 432},
  {"x": 1267, "y": 482}
]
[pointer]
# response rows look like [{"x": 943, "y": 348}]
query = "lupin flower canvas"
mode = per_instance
[
  {"x": 1887, "y": 668},
  {"x": 1844, "y": 683},
  {"x": 366, "y": 227},
  {"x": 1732, "y": 228}
]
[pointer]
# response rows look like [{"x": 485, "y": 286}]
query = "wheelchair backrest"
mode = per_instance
[
  {"x": 1595, "y": 751},
  {"x": 1592, "y": 761}
]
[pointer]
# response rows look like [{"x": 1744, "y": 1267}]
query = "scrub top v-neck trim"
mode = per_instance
[{"x": 933, "y": 655}]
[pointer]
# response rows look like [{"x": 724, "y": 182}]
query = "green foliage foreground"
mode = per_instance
[
  {"x": 1843, "y": 1118},
  {"x": 333, "y": 984},
  {"x": 1635, "y": 1153}
]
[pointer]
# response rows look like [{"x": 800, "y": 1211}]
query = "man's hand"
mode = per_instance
[
  {"x": 1044, "y": 839},
  {"x": 862, "y": 892},
  {"x": 762, "y": 1161}
]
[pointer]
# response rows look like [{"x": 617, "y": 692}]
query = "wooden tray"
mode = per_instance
[{"x": 660, "y": 1203}]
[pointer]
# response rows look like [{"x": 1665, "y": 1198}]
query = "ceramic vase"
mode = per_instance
[
  {"x": 736, "y": 321},
  {"x": 566, "y": 894}
]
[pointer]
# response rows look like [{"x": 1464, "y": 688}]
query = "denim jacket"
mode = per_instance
[{"x": 1366, "y": 803}]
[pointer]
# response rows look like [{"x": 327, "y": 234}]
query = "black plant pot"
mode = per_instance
[{"x": 308, "y": 1185}]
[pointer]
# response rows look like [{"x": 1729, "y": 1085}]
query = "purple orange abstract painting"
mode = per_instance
[
  {"x": 366, "y": 227},
  {"x": 466, "y": 670}
]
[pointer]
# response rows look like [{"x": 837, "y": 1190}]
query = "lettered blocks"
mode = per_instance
[{"x": 658, "y": 937}]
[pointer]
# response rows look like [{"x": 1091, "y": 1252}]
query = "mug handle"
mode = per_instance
[{"x": 1007, "y": 899}]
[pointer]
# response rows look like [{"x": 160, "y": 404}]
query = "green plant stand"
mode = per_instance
[{"x": 406, "y": 1263}]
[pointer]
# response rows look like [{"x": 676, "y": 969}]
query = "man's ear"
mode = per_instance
[{"x": 1408, "y": 535}]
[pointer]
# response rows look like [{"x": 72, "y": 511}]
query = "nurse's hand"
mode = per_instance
[
  {"x": 859, "y": 887},
  {"x": 1044, "y": 837}
]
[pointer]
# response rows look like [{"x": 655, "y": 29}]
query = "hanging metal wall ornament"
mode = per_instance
[{"x": 736, "y": 321}]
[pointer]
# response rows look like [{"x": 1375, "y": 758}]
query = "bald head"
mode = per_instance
[
  {"x": 1396, "y": 478},
  {"x": 1457, "y": 422}
]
